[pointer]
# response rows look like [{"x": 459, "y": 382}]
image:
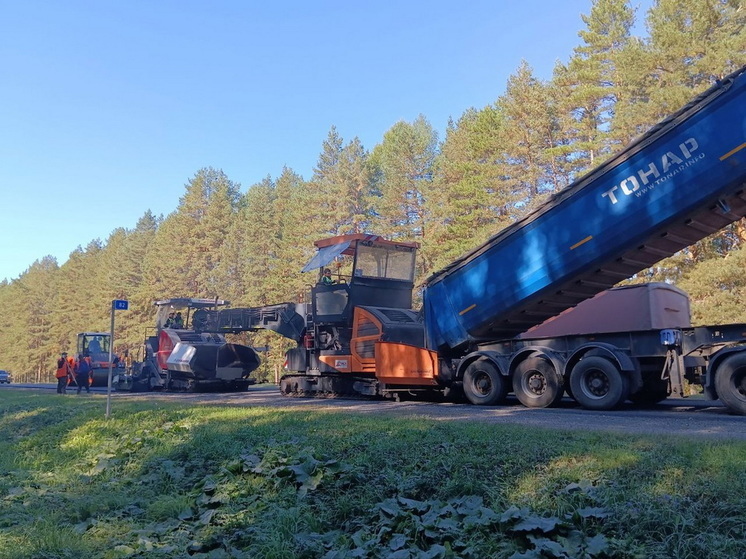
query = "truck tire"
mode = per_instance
[
  {"x": 537, "y": 384},
  {"x": 730, "y": 382},
  {"x": 598, "y": 384},
  {"x": 483, "y": 384}
]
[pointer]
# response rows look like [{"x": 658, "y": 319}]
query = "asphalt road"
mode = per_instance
[{"x": 691, "y": 417}]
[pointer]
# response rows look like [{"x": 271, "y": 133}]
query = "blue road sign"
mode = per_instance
[{"x": 120, "y": 305}]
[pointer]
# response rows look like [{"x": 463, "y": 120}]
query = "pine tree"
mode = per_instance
[
  {"x": 295, "y": 235},
  {"x": 717, "y": 289},
  {"x": 81, "y": 303},
  {"x": 256, "y": 229},
  {"x": 14, "y": 332},
  {"x": 342, "y": 186},
  {"x": 532, "y": 137},
  {"x": 42, "y": 324},
  {"x": 693, "y": 44},
  {"x": 163, "y": 262},
  {"x": 471, "y": 198},
  {"x": 403, "y": 172},
  {"x": 591, "y": 83},
  {"x": 222, "y": 210},
  {"x": 184, "y": 259},
  {"x": 123, "y": 259},
  {"x": 633, "y": 84}
]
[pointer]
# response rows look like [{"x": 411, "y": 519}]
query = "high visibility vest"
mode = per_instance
[{"x": 62, "y": 369}]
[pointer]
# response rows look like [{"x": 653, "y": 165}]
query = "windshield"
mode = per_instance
[
  {"x": 385, "y": 262},
  {"x": 95, "y": 343}
]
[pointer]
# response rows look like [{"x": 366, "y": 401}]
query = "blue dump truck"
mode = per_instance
[{"x": 500, "y": 318}]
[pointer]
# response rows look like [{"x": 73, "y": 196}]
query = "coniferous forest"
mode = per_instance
[{"x": 247, "y": 243}]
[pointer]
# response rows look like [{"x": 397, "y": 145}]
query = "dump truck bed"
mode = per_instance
[{"x": 680, "y": 182}]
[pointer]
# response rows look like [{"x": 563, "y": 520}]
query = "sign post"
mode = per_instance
[{"x": 116, "y": 305}]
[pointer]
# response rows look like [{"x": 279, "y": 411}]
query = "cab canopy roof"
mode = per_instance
[
  {"x": 182, "y": 302},
  {"x": 332, "y": 247}
]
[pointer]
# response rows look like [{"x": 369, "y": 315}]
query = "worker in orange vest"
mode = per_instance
[
  {"x": 71, "y": 367},
  {"x": 63, "y": 374}
]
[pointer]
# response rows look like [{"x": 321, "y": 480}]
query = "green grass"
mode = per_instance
[{"x": 169, "y": 480}]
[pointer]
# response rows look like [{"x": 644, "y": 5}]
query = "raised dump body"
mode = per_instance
[{"x": 677, "y": 184}]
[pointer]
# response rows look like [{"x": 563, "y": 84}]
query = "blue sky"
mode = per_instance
[{"x": 109, "y": 108}]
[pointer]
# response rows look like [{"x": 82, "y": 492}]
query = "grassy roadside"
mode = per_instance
[{"x": 169, "y": 480}]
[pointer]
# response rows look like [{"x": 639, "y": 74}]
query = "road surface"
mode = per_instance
[{"x": 691, "y": 417}]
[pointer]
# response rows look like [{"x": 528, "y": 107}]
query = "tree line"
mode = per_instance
[{"x": 493, "y": 166}]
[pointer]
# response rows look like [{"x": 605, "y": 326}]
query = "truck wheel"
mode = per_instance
[
  {"x": 730, "y": 382},
  {"x": 597, "y": 384},
  {"x": 536, "y": 384},
  {"x": 483, "y": 384}
]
